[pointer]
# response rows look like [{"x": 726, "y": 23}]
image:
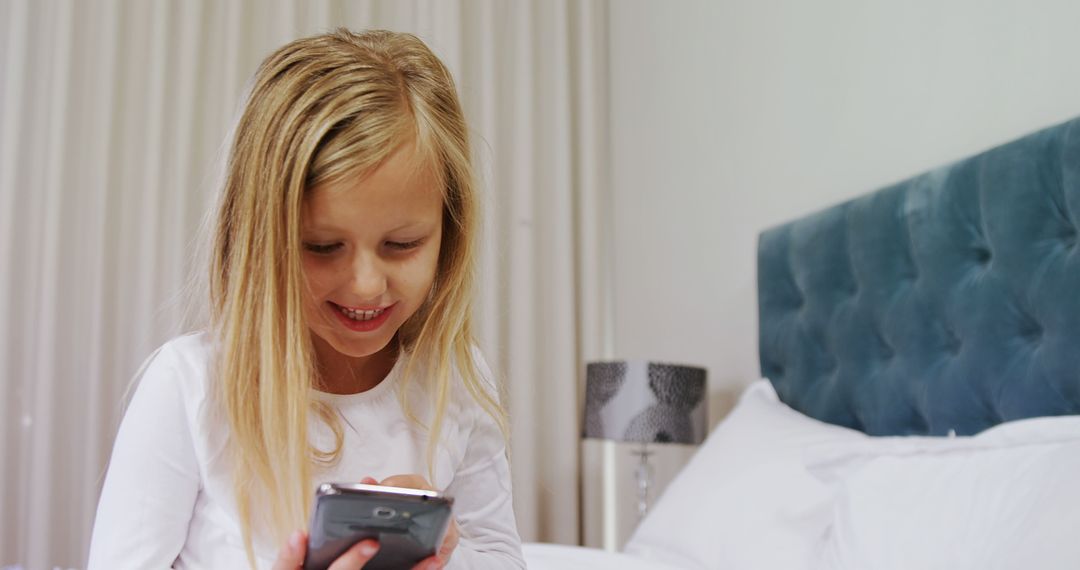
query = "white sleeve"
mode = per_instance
[
  {"x": 483, "y": 502},
  {"x": 153, "y": 477}
]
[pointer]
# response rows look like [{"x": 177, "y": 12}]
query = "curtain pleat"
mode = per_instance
[
  {"x": 47, "y": 294},
  {"x": 114, "y": 118},
  {"x": 99, "y": 37}
]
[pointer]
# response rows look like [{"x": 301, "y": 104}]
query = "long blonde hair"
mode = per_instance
[{"x": 320, "y": 109}]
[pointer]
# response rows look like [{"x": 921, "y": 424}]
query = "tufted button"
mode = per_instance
[
  {"x": 952, "y": 342},
  {"x": 922, "y": 422},
  {"x": 1033, "y": 332},
  {"x": 857, "y": 422},
  {"x": 886, "y": 349},
  {"x": 983, "y": 255}
]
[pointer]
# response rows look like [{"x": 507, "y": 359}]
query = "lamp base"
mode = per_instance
[{"x": 610, "y": 486}]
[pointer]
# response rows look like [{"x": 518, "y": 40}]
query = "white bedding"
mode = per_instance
[
  {"x": 774, "y": 489},
  {"x": 558, "y": 557},
  {"x": 977, "y": 507}
]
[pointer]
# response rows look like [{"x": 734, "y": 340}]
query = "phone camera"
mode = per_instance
[{"x": 384, "y": 512}]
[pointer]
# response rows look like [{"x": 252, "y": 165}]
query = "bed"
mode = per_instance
[{"x": 920, "y": 349}]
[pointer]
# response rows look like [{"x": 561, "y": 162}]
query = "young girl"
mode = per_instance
[{"x": 339, "y": 347}]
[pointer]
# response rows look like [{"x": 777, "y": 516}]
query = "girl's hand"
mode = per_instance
[
  {"x": 450, "y": 541},
  {"x": 292, "y": 554}
]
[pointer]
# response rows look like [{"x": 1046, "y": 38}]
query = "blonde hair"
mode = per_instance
[{"x": 320, "y": 109}]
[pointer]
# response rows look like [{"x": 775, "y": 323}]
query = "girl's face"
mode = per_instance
[{"x": 370, "y": 252}]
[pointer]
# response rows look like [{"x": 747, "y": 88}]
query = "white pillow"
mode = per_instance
[
  {"x": 746, "y": 499},
  {"x": 760, "y": 492},
  {"x": 1008, "y": 498}
]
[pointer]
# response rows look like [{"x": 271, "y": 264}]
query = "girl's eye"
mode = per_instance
[
  {"x": 322, "y": 248},
  {"x": 404, "y": 245}
]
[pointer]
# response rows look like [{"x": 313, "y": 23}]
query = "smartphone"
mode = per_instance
[{"x": 408, "y": 523}]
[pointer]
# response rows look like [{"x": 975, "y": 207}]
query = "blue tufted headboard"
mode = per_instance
[{"x": 950, "y": 301}]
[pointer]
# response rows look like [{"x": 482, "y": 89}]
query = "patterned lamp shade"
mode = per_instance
[{"x": 646, "y": 402}]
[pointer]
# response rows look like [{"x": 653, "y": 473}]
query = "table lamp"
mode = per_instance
[{"x": 648, "y": 403}]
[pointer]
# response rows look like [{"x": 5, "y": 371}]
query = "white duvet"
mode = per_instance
[
  {"x": 772, "y": 489},
  {"x": 559, "y": 557}
]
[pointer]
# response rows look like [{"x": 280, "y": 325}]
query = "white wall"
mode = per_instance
[{"x": 729, "y": 117}]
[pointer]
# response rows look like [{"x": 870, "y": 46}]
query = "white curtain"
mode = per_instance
[{"x": 113, "y": 116}]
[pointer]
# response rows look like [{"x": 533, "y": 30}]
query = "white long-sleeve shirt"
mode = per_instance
[{"x": 168, "y": 498}]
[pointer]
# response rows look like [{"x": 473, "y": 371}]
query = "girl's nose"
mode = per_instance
[{"x": 369, "y": 277}]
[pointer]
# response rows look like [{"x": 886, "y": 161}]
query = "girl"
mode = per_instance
[{"x": 339, "y": 347}]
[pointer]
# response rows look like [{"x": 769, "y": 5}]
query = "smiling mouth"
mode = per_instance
[{"x": 360, "y": 314}]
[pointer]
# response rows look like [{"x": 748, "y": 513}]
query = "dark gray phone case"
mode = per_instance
[{"x": 408, "y": 523}]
